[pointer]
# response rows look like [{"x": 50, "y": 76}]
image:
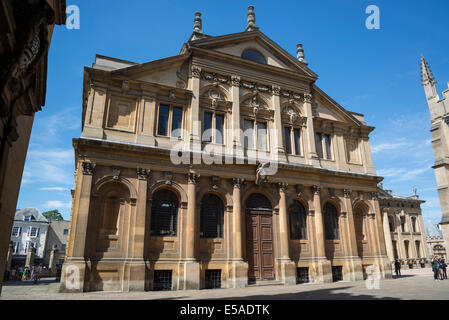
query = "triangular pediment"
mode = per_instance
[{"x": 235, "y": 44}]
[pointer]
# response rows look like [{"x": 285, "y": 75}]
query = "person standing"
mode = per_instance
[
  {"x": 397, "y": 268},
  {"x": 443, "y": 266},
  {"x": 435, "y": 267}
]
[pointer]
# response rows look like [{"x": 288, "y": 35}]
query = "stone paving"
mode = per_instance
[{"x": 415, "y": 284}]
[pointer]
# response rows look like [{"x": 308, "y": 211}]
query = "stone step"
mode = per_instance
[{"x": 262, "y": 283}]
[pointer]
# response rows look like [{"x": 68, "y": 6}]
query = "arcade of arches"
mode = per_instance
[{"x": 144, "y": 225}]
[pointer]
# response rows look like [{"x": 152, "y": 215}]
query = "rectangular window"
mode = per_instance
[
  {"x": 337, "y": 274},
  {"x": 16, "y": 231},
  {"x": 248, "y": 133},
  {"x": 26, "y": 218},
  {"x": 176, "y": 123},
  {"x": 296, "y": 137},
  {"x": 213, "y": 279},
  {"x": 207, "y": 130},
  {"x": 262, "y": 136},
  {"x": 288, "y": 144},
  {"x": 319, "y": 145},
  {"x": 162, "y": 280},
  {"x": 66, "y": 232},
  {"x": 327, "y": 143},
  {"x": 33, "y": 232},
  {"x": 302, "y": 275},
  {"x": 63, "y": 246},
  {"x": 219, "y": 124},
  {"x": 16, "y": 246},
  {"x": 162, "y": 128}
]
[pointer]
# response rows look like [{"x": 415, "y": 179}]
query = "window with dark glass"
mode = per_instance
[
  {"x": 403, "y": 224},
  {"x": 164, "y": 213},
  {"x": 319, "y": 145},
  {"x": 213, "y": 127},
  {"x": 254, "y": 55},
  {"x": 414, "y": 224},
  {"x": 327, "y": 144},
  {"x": 176, "y": 123},
  {"x": 331, "y": 222},
  {"x": 298, "y": 228},
  {"x": 297, "y": 143},
  {"x": 169, "y": 121},
  {"x": 162, "y": 128},
  {"x": 390, "y": 223},
  {"x": 255, "y": 134},
  {"x": 211, "y": 220},
  {"x": 288, "y": 143}
]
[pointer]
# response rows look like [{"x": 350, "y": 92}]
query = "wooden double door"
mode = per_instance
[{"x": 259, "y": 245}]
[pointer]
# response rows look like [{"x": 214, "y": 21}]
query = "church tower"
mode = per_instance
[{"x": 439, "y": 119}]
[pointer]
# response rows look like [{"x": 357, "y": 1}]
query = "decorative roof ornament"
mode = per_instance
[
  {"x": 300, "y": 53},
  {"x": 197, "y": 27},
  {"x": 251, "y": 19},
  {"x": 426, "y": 73}
]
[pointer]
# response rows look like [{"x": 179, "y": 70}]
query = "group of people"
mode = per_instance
[
  {"x": 18, "y": 273},
  {"x": 439, "y": 268}
]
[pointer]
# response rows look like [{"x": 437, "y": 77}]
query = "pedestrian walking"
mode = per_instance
[
  {"x": 19, "y": 273},
  {"x": 397, "y": 268},
  {"x": 443, "y": 267},
  {"x": 13, "y": 274},
  {"x": 25, "y": 273}
]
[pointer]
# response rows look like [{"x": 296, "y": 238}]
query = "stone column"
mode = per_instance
[
  {"x": 239, "y": 267},
  {"x": 135, "y": 269},
  {"x": 312, "y": 155},
  {"x": 287, "y": 266},
  {"x": 74, "y": 268},
  {"x": 237, "y": 142},
  {"x": 321, "y": 263},
  {"x": 195, "y": 126},
  {"x": 381, "y": 251},
  {"x": 355, "y": 262},
  {"x": 387, "y": 233},
  {"x": 278, "y": 149},
  {"x": 30, "y": 256},
  {"x": 191, "y": 265},
  {"x": 52, "y": 262}
]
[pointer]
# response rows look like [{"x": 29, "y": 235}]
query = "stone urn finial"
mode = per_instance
[
  {"x": 251, "y": 19},
  {"x": 198, "y": 23},
  {"x": 300, "y": 53}
]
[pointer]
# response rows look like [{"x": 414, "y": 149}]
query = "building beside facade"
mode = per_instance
[
  {"x": 404, "y": 230},
  {"x": 58, "y": 232},
  {"x": 26, "y": 29},
  {"x": 439, "y": 119},
  {"x": 434, "y": 241},
  {"x": 222, "y": 166},
  {"x": 30, "y": 227}
]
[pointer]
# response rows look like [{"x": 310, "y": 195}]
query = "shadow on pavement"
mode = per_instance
[{"x": 29, "y": 282}]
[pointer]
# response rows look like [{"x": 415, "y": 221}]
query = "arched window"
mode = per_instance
[
  {"x": 164, "y": 213},
  {"x": 254, "y": 55},
  {"x": 212, "y": 211},
  {"x": 258, "y": 201},
  {"x": 111, "y": 213},
  {"x": 331, "y": 222},
  {"x": 391, "y": 223},
  {"x": 298, "y": 227},
  {"x": 414, "y": 224}
]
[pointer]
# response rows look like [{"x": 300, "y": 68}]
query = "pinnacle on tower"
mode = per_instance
[
  {"x": 251, "y": 19},
  {"x": 426, "y": 73}
]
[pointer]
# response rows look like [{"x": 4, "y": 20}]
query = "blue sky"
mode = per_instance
[{"x": 374, "y": 72}]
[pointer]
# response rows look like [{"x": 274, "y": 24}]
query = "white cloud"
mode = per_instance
[
  {"x": 388, "y": 146},
  {"x": 54, "y": 189},
  {"x": 57, "y": 204}
]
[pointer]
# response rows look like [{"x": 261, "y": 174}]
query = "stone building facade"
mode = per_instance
[
  {"x": 439, "y": 130},
  {"x": 58, "y": 232},
  {"x": 289, "y": 193},
  {"x": 26, "y": 29},
  {"x": 435, "y": 241},
  {"x": 404, "y": 230}
]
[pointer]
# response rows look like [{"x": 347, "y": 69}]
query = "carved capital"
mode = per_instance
[
  {"x": 195, "y": 71},
  {"x": 311, "y": 213},
  {"x": 316, "y": 189},
  {"x": 371, "y": 215},
  {"x": 276, "y": 90},
  {"x": 88, "y": 168},
  {"x": 192, "y": 177},
  {"x": 238, "y": 182},
  {"x": 374, "y": 195},
  {"x": 143, "y": 174},
  {"x": 235, "y": 81},
  {"x": 115, "y": 172},
  {"x": 168, "y": 176},
  {"x": 347, "y": 193},
  {"x": 307, "y": 98}
]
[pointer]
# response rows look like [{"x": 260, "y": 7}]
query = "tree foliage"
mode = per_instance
[{"x": 53, "y": 215}]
